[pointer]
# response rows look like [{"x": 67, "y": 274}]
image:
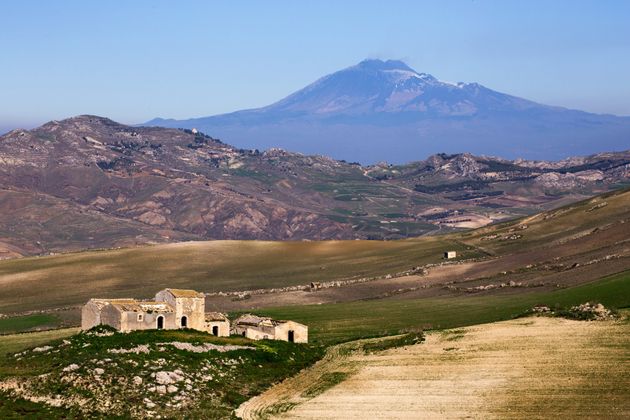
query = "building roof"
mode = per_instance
[
  {"x": 101, "y": 303},
  {"x": 259, "y": 321},
  {"x": 185, "y": 293},
  {"x": 132, "y": 305},
  {"x": 215, "y": 316}
]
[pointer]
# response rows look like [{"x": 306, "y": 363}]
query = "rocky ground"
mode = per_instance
[{"x": 147, "y": 374}]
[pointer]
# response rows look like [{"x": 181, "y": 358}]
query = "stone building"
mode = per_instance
[
  {"x": 217, "y": 324},
  {"x": 171, "y": 309},
  {"x": 450, "y": 255},
  {"x": 260, "y": 328}
]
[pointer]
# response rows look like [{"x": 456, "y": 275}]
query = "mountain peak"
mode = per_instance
[
  {"x": 384, "y": 110},
  {"x": 377, "y": 64}
]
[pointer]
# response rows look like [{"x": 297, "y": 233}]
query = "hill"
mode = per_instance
[
  {"x": 89, "y": 182},
  {"x": 546, "y": 253},
  {"x": 102, "y": 373},
  {"x": 384, "y": 110}
]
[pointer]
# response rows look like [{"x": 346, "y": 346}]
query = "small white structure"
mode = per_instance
[
  {"x": 450, "y": 255},
  {"x": 194, "y": 131},
  {"x": 217, "y": 324},
  {"x": 260, "y": 328}
]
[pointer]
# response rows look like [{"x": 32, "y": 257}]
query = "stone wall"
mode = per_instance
[
  {"x": 130, "y": 321},
  {"x": 224, "y": 327},
  {"x": 111, "y": 316},
  {"x": 193, "y": 308},
  {"x": 90, "y": 315},
  {"x": 300, "y": 332}
]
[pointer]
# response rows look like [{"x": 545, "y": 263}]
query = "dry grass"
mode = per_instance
[
  {"x": 71, "y": 279},
  {"x": 526, "y": 368}
]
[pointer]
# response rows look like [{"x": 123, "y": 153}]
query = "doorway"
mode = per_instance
[
  {"x": 291, "y": 336},
  {"x": 160, "y": 322},
  {"x": 184, "y": 321},
  {"x": 215, "y": 330}
]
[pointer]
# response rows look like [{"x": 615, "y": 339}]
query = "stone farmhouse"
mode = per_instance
[
  {"x": 179, "y": 308},
  {"x": 171, "y": 309},
  {"x": 260, "y": 328}
]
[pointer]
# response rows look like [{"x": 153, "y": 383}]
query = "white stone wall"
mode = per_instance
[
  {"x": 300, "y": 332},
  {"x": 224, "y": 327},
  {"x": 90, "y": 316},
  {"x": 111, "y": 316},
  {"x": 193, "y": 308},
  {"x": 130, "y": 322}
]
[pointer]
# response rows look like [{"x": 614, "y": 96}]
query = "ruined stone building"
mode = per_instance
[
  {"x": 260, "y": 328},
  {"x": 171, "y": 309},
  {"x": 178, "y": 308}
]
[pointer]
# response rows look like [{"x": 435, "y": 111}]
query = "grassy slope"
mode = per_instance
[
  {"x": 28, "y": 322},
  {"x": 218, "y": 381},
  {"x": 71, "y": 279},
  {"x": 543, "y": 229},
  {"x": 340, "y": 322},
  {"x": 16, "y": 342}
]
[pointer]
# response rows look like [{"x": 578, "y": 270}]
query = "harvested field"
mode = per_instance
[{"x": 525, "y": 368}]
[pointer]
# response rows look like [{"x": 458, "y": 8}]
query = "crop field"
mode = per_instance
[
  {"x": 333, "y": 323},
  {"x": 527, "y": 368}
]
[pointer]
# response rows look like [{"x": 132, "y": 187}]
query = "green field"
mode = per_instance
[
  {"x": 333, "y": 323},
  {"x": 16, "y": 342},
  {"x": 28, "y": 322}
]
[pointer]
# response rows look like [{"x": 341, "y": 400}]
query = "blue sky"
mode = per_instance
[{"x": 135, "y": 60}]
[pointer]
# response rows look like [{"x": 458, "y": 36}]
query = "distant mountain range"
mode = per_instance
[
  {"x": 386, "y": 111},
  {"x": 89, "y": 182}
]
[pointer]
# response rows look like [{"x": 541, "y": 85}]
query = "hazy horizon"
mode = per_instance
[{"x": 133, "y": 62}]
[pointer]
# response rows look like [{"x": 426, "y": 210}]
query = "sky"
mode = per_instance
[{"x": 135, "y": 60}]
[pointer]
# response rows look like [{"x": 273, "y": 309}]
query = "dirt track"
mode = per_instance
[{"x": 527, "y": 368}]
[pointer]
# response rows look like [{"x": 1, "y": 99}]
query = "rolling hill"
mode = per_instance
[{"x": 547, "y": 253}]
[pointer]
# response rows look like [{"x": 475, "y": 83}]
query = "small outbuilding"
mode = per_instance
[
  {"x": 217, "y": 324},
  {"x": 448, "y": 255},
  {"x": 260, "y": 328}
]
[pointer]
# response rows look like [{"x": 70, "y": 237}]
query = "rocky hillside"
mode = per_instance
[
  {"x": 89, "y": 182},
  {"x": 104, "y": 374}
]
